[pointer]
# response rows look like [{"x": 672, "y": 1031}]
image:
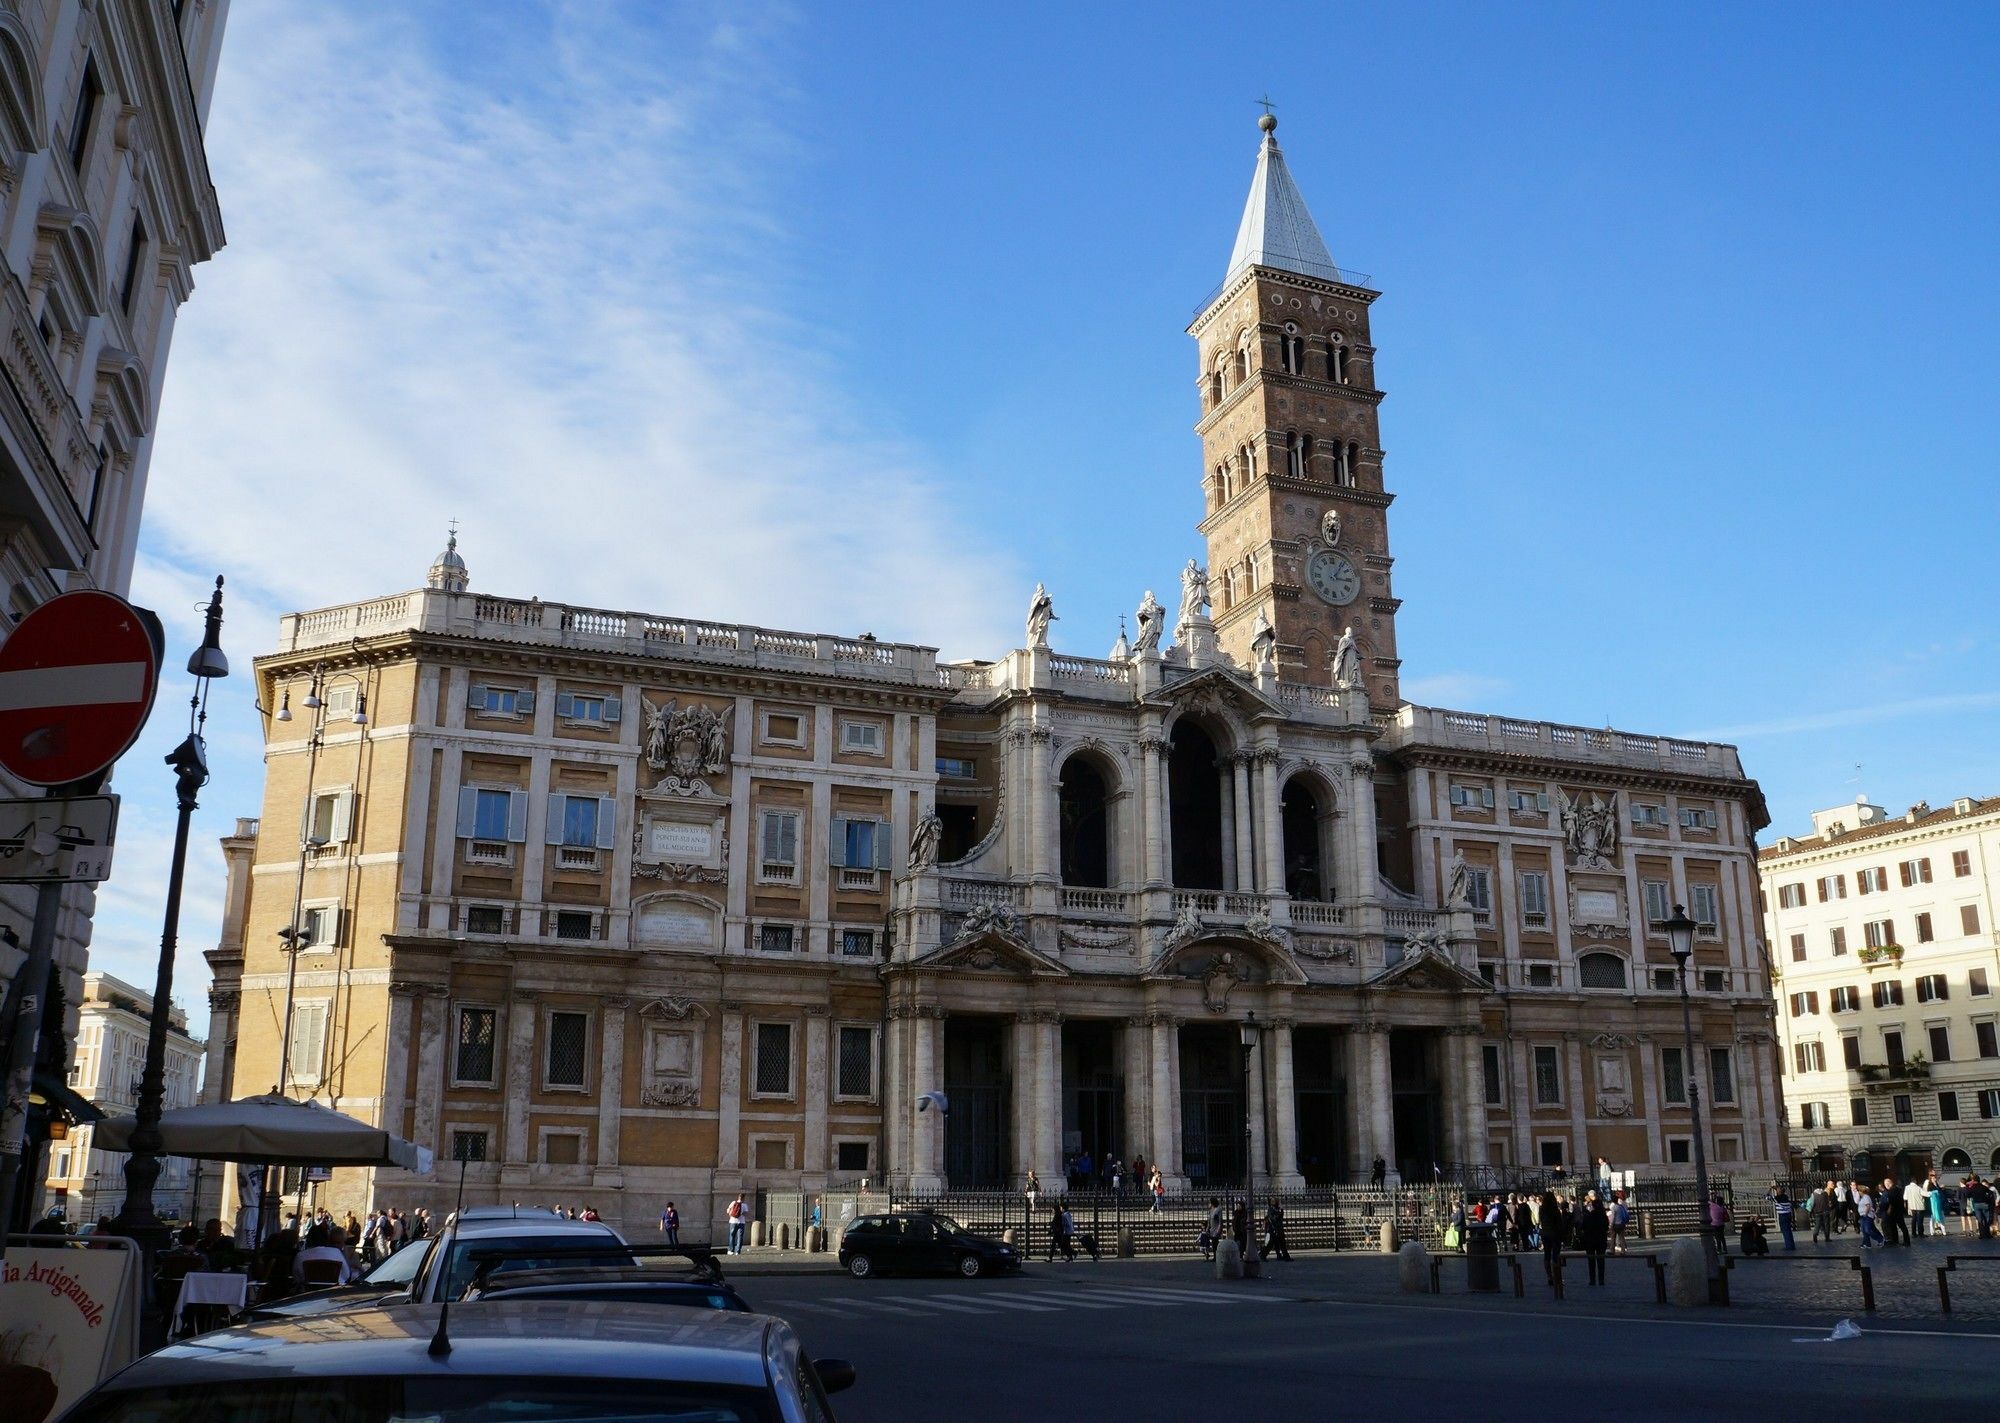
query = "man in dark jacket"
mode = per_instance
[
  {"x": 1274, "y": 1226},
  {"x": 1524, "y": 1222},
  {"x": 1593, "y": 1235}
]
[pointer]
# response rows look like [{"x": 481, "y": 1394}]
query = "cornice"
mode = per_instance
[
  {"x": 1553, "y": 768},
  {"x": 1820, "y": 852}
]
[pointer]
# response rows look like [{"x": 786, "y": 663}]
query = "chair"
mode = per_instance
[{"x": 321, "y": 1272}]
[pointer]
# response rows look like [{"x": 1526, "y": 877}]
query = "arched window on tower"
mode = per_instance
[
  {"x": 1295, "y": 454},
  {"x": 1243, "y": 357},
  {"x": 1353, "y": 462},
  {"x": 1293, "y": 351},
  {"x": 1336, "y": 361},
  {"x": 1249, "y": 465}
]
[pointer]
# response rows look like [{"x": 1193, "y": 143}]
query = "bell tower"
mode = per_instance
[{"x": 1296, "y": 516}]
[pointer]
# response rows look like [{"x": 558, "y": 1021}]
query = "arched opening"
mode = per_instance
[
  {"x": 1336, "y": 362},
  {"x": 1194, "y": 791},
  {"x": 1308, "y": 876},
  {"x": 1600, "y": 971},
  {"x": 1956, "y": 1159},
  {"x": 1294, "y": 356},
  {"x": 1296, "y": 446},
  {"x": 1994, "y": 1164},
  {"x": 1913, "y": 1163},
  {"x": 1083, "y": 803}
]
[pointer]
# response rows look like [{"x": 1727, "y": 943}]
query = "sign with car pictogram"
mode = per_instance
[{"x": 62, "y": 840}]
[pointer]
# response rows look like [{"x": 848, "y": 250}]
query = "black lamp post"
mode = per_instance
[
  {"x": 1252, "y": 1032},
  {"x": 1680, "y": 942},
  {"x": 138, "y": 1218}
]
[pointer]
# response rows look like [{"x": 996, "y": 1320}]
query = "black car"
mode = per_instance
[
  {"x": 610, "y": 1284},
  {"x": 920, "y": 1241}
]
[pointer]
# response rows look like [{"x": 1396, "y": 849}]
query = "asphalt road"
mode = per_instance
[{"x": 1163, "y": 1340}]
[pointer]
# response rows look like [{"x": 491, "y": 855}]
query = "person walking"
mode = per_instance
[
  {"x": 1378, "y": 1176},
  {"x": 1781, "y": 1206},
  {"x": 1603, "y": 1179},
  {"x": 1593, "y": 1234},
  {"x": 1916, "y": 1213},
  {"x": 1817, "y": 1208},
  {"x": 1864, "y": 1217},
  {"x": 670, "y": 1223},
  {"x": 1982, "y": 1206},
  {"x": 1890, "y": 1214},
  {"x": 1843, "y": 1202},
  {"x": 1548, "y": 1218},
  {"x": 1524, "y": 1222},
  {"x": 739, "y": 1221},
  {"x": 1239, "y": 1226},
  {"x": 1059, "y": 1233},
  {"x": 1275, "y": 1247},
  {"x": 1718, "y": 1222},
  {"x": 1159, "y": 1189},
  {"x": 1621, "y": 1221},
  {"x": 1211, "y": 1235},
  {"x": 1934, "y": 1203}
]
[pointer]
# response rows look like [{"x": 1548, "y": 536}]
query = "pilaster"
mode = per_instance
[
  {"x": 610, "y": 1091},
  {"x": 1284, "y": 1110},
  {"x": 817, "y": 1092}
]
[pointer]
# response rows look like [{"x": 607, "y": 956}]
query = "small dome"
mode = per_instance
[{"x": 448, "y": 571}]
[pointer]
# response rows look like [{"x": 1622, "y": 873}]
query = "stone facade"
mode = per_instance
[
  {"x": 105, "y": 210},
  {"x": 635, "y": 908},
  {"x": 1882, "y": 928}
]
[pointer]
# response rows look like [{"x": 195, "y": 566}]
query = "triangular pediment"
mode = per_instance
[
  {"x": 1219, "y": 688},
  {"x": 1430, "y": 973},
  {"x": 992, "y": 952}
]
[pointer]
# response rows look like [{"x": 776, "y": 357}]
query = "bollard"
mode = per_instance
[
  {"x": 1645, "y": 1225},
  {"x": 1128, "y": 1247},
  {"x": 758, "y": 1232},
  {"x": 1413, "y": 1268},
  {"x": 1011, "y": 1236},
  {"x": 1387, "y": 1236},
  {"x": 1687, "y": 1273},
  {"x": 785, "y": 1235},
  {"x": 1228, "y": 1259}
]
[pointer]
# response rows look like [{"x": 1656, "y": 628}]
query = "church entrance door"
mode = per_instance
[
  {"x": 1417, "y": 1102},
  {"x": 1212, "y": 1105},
  {"x": 975, "y": 1086}
]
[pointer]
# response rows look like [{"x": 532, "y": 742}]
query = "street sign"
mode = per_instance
[
  {"x": 319, "y": 1173},
  {"x": 57, "y": 841},
  {"x": 77, "y": 677}
]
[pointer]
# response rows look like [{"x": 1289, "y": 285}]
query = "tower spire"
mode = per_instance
[{"x": 1276, "y": 230}]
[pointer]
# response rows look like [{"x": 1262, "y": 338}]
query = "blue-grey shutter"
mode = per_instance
[
  {"x": 837, "y": 851},
  {"x": 554, "y": 831},
  {"x": 468, "y": 811},
  {"x": 475, "y": 697},
  {"x": 607, "y": 822},
  {"x": 524, "y": 702},
  {"x": 565, "y": 705},
  {"x": 613, "y": 711},
  {"x": 517, "y": 816},
  {"x": 881, "y": 844}
]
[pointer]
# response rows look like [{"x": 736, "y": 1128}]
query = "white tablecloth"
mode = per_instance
[{"x": 205, "y": 1287}]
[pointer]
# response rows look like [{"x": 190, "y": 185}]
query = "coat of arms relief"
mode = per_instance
[{"x": 685, "y": 744}]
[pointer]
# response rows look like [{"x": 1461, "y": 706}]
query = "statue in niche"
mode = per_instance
[
  {"x": 1347, "y": 660},
  {"x": 1152, "y": 620},
  {"x": 924, "y": 842},
  {"x": 1041, "y": 612}
]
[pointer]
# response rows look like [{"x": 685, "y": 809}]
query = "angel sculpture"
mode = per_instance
[{"x": 1041, "y": 612}]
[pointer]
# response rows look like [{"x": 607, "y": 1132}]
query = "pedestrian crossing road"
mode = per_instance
[{"x": 867, "y": 1301}]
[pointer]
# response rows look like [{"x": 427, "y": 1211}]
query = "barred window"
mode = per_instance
[
  {"x": 774, "y": 1059},
  {"x": 857, "y": 1062},
  {"x": 1601, "y": 971},
  {"x": 468, "y": 1146},
  {"x": 568, "y": 1033},
  {"x": 1548, "y": 1077},
  {"x": 476, "y": 1027}
]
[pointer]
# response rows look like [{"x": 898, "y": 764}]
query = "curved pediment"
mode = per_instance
[{"x": 1241, "y": 956}]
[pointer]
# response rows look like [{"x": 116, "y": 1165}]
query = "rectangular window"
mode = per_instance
[
  {"x": 857, "y": 943},
  {"x": 1838, "y": 939},
  {"x": 778, "y": 839},
  {"x": 468, "y": 1146},
  {"x": 1468, "y": 796},
  {"x": 1904, "y": 1115},
  {"x": 1940, "y": 1036},
  {"x": 1847, "y": 999},
  {"x": 1932, "y": 988},
  {"x": 588, "y": 709},
  {"x": 1548, "y": 1077},
  {"x": 1857, "y": 1111},
  {"x": 1673, "y": 1076},
  {"x": 575, "y": 924},
  {"x": 87, "y": 95},
  {"x": 774, "y": 938},
  {"x": 485, "y": 919},
  {"x": 1697, "y": 818},
  {"x": 1879, "y": 933},
  {"x": 134, "y": 251},
  {"x": 1947, "y": 1106},
  {"x": 1892, "y": 1047},
  {"x": 1489, "y": 1064},
  {"x": 1528, "y": 802},
  {"x": 1989, "y": 1103},
  {"x": 319, "y": 926},
  {"x": 857, "y": 1063},
  {"x": 1968, "y": 918},
  {"x": 1832, "y": 887},
  {"x": 568, "y": 1034},
  {"x": 1541, "y": 975},
  {"x": 487, "y": 700},
  {"x": 474, "y": 1062},
  {"x": 1680, "y": 1150},
  {"x": 576, "y": 820},
  {"x": 1648, "y": 815},
  {"x": 1913, "y": 872},
  {"x": 860, "y": 844},
  {"x": 489, "y": 815},
  {"x": 1552, "y": 1153},
  {"x": 957, "y": 768},
  {"x": 1809, "y": 1056},
  {"x": 1702, "y": 901},
  {"x": 1889, "y": 993},
  {"x": 1987, "y": 1037},
  {"x": 850, "y": 1157},
  {"x": 1535, "y": 897},
  {"x": 1850, "y": 1050},
  {"x": 1791, "y": 896},
  {"x": 784, "y": 729},
  {"x": 1872, "y": 881},
  {"x": 1798, "y": 948},
  {"x": 1664, "y": 980},
  {"x": 1712, "y": 980},
  {"x": 330, "y": 818},
  {"x": 1975, "y": 983},
  {"x": 1722, "y": 1075},
  {"x": 1479, "y": 889},
  {"x": 1924, "y": 934},
  {"x": 308, "y": 1041},
  {"x": 1961, "y": 863},
  {"x": 863, "y": 736},
  {"x": 1659, "y": 900},
  {"x": 774, "y": 1060}
]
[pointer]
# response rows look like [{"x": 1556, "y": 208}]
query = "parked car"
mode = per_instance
[
  {"x": 610, "y": 1284},
  {"x": 920, "y": 1241},
  {"x": 529, "y": 1359},
  {"x": 385, "y": 1281},
  {"x": 448, "y": 1266}
]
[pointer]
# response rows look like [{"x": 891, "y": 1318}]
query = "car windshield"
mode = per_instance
[
  {"x": 457, "y": 1400},
  {"x": 945, "y": 1222},
  {"x": 520, "y": 1248},
  {"x": 398, "y": 1269},
  {"x": 689, "y": 1296}
]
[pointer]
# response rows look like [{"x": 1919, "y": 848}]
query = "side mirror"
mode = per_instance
[{"x": 834, "y": 1374}]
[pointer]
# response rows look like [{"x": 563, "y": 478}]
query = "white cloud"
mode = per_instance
[
  {"x": 1851, "y": 716},
  {"x": 1465, "y": 690},
  {"x": 541, "y": 292}
]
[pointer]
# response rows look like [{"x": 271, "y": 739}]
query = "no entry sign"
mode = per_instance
[{"x": 77, "y": 678}]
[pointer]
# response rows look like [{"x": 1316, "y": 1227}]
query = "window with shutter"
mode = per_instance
[
  {"x": 779, "y": 840},
  {"x": 308, "y": 1041},
  {"x": 517, "y": 816}
]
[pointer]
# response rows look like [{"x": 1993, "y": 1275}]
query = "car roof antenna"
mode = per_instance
[{"x": 441, "y": 1341}]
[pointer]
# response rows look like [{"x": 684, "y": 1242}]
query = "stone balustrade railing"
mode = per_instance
[{"x": 1437, "y": 726}]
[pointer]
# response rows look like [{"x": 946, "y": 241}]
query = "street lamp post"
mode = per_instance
[
  {"x": 1252, "y": 1264},
  {"x": 138, "y": 1218},
  {"x": 1680, "y": 942}
]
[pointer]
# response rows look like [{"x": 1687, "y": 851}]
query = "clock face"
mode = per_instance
[{"x": 1333, "y": 578}]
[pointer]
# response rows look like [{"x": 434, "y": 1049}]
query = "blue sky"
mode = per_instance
[{"x": 867, "y": 317}]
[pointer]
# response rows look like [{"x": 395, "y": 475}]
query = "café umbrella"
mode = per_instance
[{"x": 271, "y": 1130}]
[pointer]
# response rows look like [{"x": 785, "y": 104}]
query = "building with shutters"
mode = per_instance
[
  {"x": 1882, "y": 930},
  {"x": 106, "y": 208},
  {"x": 625, "y": 907}
]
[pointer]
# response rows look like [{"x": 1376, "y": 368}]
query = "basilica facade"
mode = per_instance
[{"x": 622, "y": 908}]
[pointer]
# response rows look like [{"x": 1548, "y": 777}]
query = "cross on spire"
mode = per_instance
[{"x": 1266, "y": 102}]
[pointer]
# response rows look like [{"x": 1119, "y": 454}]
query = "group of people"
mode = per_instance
[
  {"x": 1271, "y": 1241},
  {"x": 386, "y": 1231},
  {"x": 1594, "y": 1222},
  {"x": 1121, "y": 1178},
  {"x": 1884, "y": 1215}
]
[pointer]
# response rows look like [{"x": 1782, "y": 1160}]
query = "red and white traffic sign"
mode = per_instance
[{"x": 77, "y": 678}]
